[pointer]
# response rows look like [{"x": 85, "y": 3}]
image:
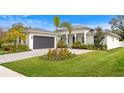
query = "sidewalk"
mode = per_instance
[{"x": 5, "y": 72}]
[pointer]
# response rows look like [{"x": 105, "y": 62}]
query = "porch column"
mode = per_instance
[
  {"x": 67, "y": 39},
  {"x": 75, "y": 37},
  {"x": 30, "y": 42},
  {"x": 85, "y": 37},
  {"x": 55, "y": 42}
]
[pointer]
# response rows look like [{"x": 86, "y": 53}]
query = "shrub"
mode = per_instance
[
  {"x": 50, "y": 54},
  {"x": 64, "y": 54},
  {"x": 83, "y": 46},
  {"x": 13, "y": 48},
  {"x": 58, "y": 54},
  {"x": 21, "y": 48},
  {"x": 103, "y": 47},
  {"x": 90, "y": 46},
  {"x": 1, "y": 43},
  {"x": 7, "y": 47},
  {"x": 61, "y": 44},
  {"x": 77, "y": 44}
]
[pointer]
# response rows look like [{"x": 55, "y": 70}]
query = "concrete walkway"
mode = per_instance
[
  {"x": 38, "y": 52},
  {"x": 5, "y": 72}
]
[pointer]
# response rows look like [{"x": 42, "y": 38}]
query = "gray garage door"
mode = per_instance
[{"x": 43, "y": 42}]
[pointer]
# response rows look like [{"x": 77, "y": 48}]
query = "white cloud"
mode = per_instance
[
  {"x": 103, "y": 25},
  {"x": 7, "y": 21}
]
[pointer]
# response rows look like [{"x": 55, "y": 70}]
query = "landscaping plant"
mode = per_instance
[
  {"x": 2, "y": 35},
  {"x": 77, "y": 44},
  {"x": 58, "y": 54},
  {"x": 98, "y": 38},
  {"x": 61, "y": 44}
]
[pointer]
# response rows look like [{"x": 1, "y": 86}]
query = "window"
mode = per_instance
[
  {"x": 19, "y": 41},
  {"x": 95, "y": 39},
  {"x": 76, "y": 38},
  {"x": 82, "y": 39},
  {"x": 73, "y": 39},
  {"x": 61, "y": 38}
]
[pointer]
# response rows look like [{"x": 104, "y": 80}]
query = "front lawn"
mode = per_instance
[{"x": 97, "y": 63}]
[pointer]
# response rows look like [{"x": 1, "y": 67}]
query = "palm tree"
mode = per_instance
[
  {"x": 67, "y": 25},
  {"x": 58, "y": 24}
]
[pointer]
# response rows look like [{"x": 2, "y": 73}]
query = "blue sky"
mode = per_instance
[{"x": 46, "y": 21}]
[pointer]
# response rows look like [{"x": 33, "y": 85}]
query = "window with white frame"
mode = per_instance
[{"x": 82, "y": 39}]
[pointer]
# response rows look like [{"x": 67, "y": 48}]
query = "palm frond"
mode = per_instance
[{"x": 67, "y": 25}]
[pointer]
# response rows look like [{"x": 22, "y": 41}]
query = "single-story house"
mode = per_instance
[{"x": 41, "y": 38}]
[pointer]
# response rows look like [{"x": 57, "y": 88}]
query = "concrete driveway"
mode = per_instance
[{"x": 37, "y": 52}]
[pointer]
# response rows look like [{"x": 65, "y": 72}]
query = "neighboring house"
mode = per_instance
[{"x": 40, "y": 38}]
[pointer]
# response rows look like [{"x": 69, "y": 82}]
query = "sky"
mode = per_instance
[{"x": 46, "y": 21}]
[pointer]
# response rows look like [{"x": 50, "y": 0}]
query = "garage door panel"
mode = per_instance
[{"x": 43, "y": 42}]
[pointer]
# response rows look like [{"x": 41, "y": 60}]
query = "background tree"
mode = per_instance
[
  {"x": 16, "y": 32},
  {"x": 2, "y": 35},
  {"x": 117, "y": 26},
  {"x": 98, "y": 38},
  {"x": 13, "y": 35},
  {"x": 18, "y": 27}
]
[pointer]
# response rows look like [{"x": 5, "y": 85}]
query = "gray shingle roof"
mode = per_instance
[{"x": 76, "y": 27}]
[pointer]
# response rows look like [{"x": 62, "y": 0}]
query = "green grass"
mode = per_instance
[{"x": 97, "y": 63}]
